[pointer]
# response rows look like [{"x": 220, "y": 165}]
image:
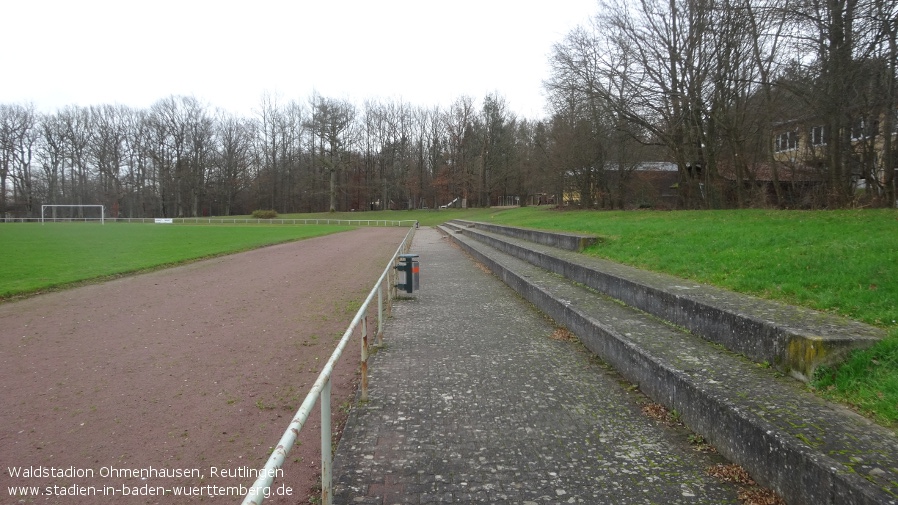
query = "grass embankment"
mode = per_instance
[
  {"x": 844, "y": 262},
  {"x": 40, "y": 257}
]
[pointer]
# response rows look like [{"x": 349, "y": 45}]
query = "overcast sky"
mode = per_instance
[{"x": 228, "y": 53}]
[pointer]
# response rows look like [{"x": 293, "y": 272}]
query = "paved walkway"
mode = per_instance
[{"x": 471, "y": 401}]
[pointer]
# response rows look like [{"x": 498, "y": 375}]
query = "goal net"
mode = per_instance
[{"x": 73, "y": 213}]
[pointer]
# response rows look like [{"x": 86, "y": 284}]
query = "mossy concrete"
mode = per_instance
[
  {"x": 794, "y": 340},
  {"x": 808, "y": 450}
]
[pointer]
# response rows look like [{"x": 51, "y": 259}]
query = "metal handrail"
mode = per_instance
[{"x": 322, "y": 389}]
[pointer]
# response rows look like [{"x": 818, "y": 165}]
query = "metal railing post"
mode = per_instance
[
  {"x": 327, "y": 494},
  {"x": 364, "y": 361},
  {"x": 393, "y": 290},
  {"x": 380, "y": 314}
]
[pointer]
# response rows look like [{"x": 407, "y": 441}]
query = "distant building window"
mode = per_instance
[
  {"x": 818, "y": 135},
  {"x": 786, "y": 141},
  {"x": 859, "y": 129}
]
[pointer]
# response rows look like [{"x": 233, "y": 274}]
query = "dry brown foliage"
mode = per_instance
[
  {"x": 660, "y": 413},
  {"x": 731, "y": 473},
  {"x": 563, "y": 335},
  {"x": 760, "y": 496},
  {"x": 749, "y": 492}
]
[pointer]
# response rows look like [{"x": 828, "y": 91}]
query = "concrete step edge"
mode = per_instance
[{"x": 562, "y": 240}]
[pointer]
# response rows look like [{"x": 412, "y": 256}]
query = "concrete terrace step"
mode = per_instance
[
  {"x": 567, "y": 241},
  {"x": 808, "y": 450},
  {"x": 794, "y": 340}
]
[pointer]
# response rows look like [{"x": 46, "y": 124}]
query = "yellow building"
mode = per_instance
[{"x": 804, "y": 145}]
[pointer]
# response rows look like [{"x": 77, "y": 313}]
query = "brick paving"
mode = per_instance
[{"x": 472, "y": 401}]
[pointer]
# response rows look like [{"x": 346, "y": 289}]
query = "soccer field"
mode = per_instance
[{"x": 39, "y": 257}]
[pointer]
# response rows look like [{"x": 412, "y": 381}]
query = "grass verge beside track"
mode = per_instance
[{"x": 40, "y": 257}]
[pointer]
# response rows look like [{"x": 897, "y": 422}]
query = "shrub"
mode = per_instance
[{"x": 265, "y": 214}]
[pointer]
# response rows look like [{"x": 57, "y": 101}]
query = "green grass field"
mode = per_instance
[
  {"x": 844, "y": 262},
  {"x": 840, "y": 261},
  {"x": 40, "y": 257}
]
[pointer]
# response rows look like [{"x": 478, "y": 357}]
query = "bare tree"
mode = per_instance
[
  {"x": 51, "y": 154},
  {"x": 231, "y": 173},
  {"x": 108, "y": 144},
  {"x": 458, "y": 122},
  {"x": 390, "y": 126},
  {"x": 141, "y": 193},
  {"x": 280, "y": 133},
  {"x": 497, "y": 144},
  {"x": 17, "y": 142},
  {"x": 76, "y": 121},
  {"x": 886, "y": 13},
  {"x": 433, "y": 156},
  {"x": 332, "y": 123},
  {"x": 181, "y": 128}
]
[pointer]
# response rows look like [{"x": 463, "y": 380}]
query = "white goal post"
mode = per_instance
[{"x": 102, "y": 210}]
